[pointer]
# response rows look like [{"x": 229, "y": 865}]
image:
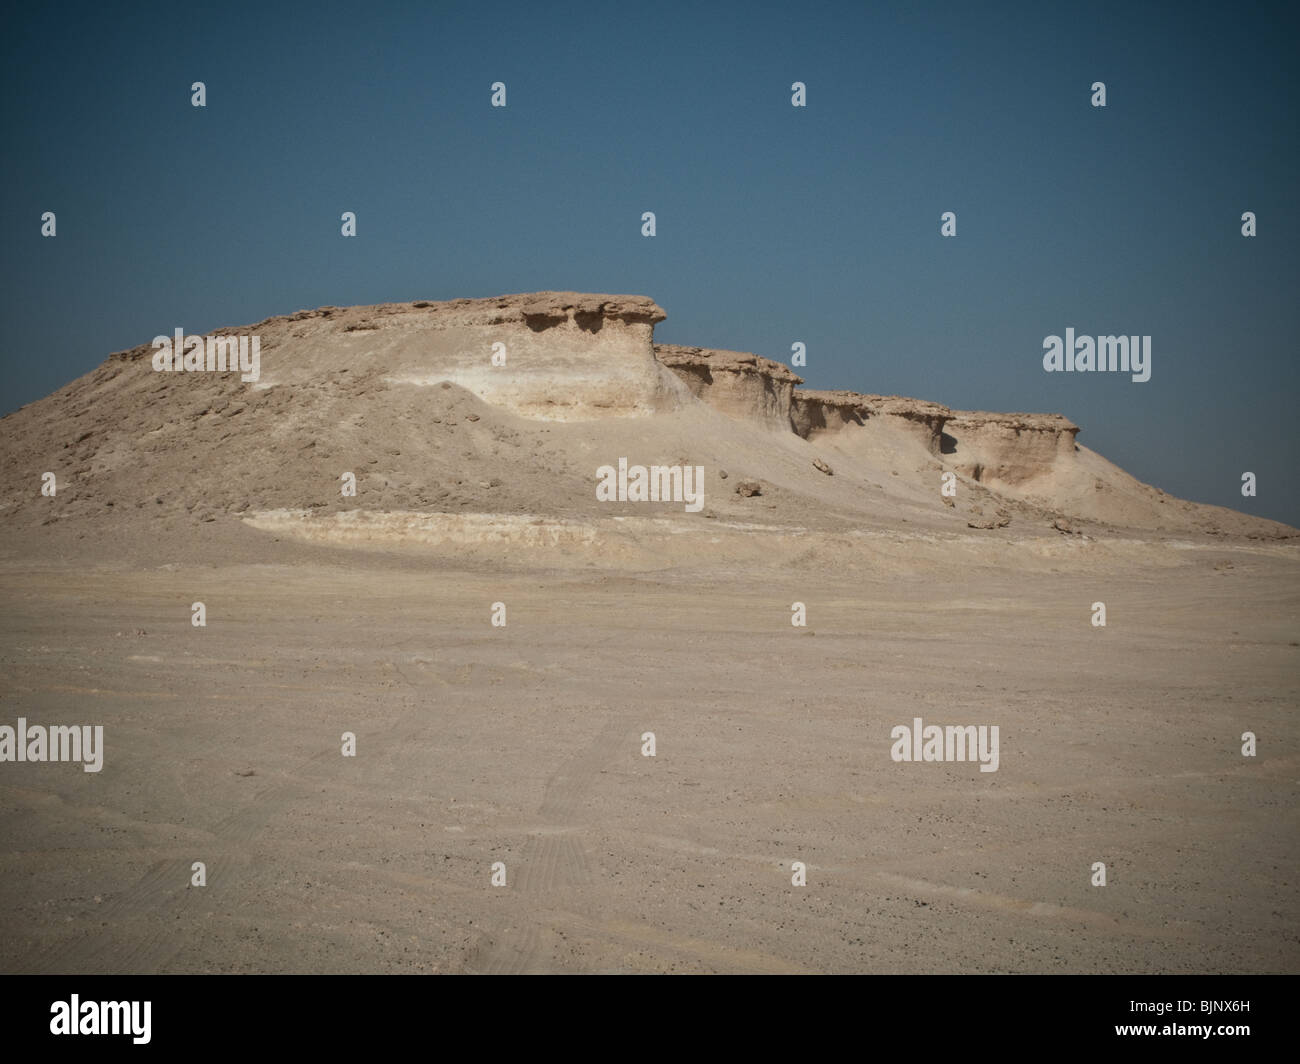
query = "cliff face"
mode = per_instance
[
  {"x": 817, "y": 413},
  {"x": 559, "y": 356},
  {"x": 1012, "y": 453},
  {"x": 1016, "y": 454},
  {"x": 738, "y": 384},
  {"x": 1030, "y": 458},
  {"x": 756, "y": 389},
  {"x": 1007, "y": 451}
]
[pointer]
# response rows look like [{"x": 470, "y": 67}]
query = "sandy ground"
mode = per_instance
[
  {"x": 371, "y": 614},
  {"x": 523, "y": 745}
]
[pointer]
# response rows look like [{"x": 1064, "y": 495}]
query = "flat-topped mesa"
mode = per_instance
[
  {"x": 815, "y": 413},
  {"x": 735, "y": 383},
  {"x": 356, "y": 388},
  {"x": 559, "y": 356},
  {"x": 1007, "y": 450},
  {"x": 538, "y": 310}
]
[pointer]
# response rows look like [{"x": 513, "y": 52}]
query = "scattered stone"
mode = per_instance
[
  {"x": 822, "y": 467},
  {"x": 746, "y": 488},
  {"x": 471, "y": 417},
  {"x": 1064, "y": 526},
  {"x": 722, "y": 473}
]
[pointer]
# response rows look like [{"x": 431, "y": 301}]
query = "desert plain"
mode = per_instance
[{"x": 523, "y": 744}]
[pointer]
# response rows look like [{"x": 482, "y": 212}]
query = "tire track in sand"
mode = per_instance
[{"x": 553, "y": 866}]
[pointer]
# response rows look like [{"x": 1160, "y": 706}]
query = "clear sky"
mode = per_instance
[{"x": 775, "y": 224}]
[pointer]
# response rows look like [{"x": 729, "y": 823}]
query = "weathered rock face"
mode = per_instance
[
  {"x": 738, "y": 384},
  {"x": 999, "y": 449},
  {"x": 1007, "y": 450},
  {"x": 568, "y": 356},
  {"x": 407, "y": 400},
  {"x": 814, "y": 413}
]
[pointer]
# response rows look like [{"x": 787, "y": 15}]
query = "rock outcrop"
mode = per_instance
[
  {"x": 560, "y": 356},
  {"x": 752, "y": 388},
  {"x": 407, "y": 403},
  {"x": 815, "y": 413},
  {"x": 738, "y": 384},
  {"x": 1007, "y": 451}
]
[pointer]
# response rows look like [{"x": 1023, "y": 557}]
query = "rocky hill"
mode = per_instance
[{"x": 476, "y": 420}]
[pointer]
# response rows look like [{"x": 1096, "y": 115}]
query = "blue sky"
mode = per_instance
[{"x": 775, "y": 224}]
